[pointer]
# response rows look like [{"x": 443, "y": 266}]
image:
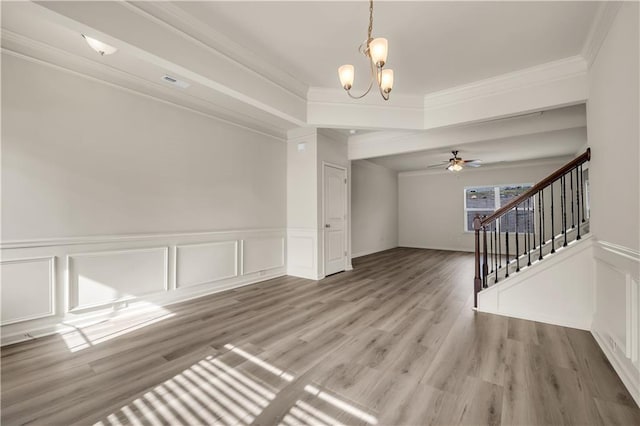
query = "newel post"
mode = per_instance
[{"x": 477, "y": 282}]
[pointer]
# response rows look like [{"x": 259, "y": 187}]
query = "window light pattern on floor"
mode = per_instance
[{"x": 212, "y": 392}]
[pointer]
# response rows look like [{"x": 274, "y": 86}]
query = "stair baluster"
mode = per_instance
[
  {"x": 578, "y": 202},
  {"x": 529, "y": 231},
  {"x": 553, "y": 229},
  {"x": 491, "y": 251},
  {"x": 517, "y": 243},
  {"x": 540, "y": 229}
]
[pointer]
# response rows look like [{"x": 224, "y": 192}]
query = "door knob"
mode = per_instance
[{"x": 327, "y": 225}]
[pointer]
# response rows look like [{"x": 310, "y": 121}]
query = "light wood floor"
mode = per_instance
[{"x": 394, "y": 342}]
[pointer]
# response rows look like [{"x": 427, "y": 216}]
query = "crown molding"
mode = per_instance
[
  {"x": 383, "y": 143},
  {"x": 333, "y": 96},
  {"x": 196, "y": 30},
  {"x": 38, "y": 52},
  {"x": 301, "y": 133},
  {"x": 545, "y": 86},
  {"x": 607, "y": 12},
  {"x": 495, "y": 166},
  {"x": 334, "y": 135},
  {"x": 509, "y": 82},
  {"x": 371, "y": 165},
  {"x": 330, "y": 107},
  {"x": 154, "y": 41}
]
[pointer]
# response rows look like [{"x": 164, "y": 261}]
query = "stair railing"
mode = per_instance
[{"x": 522, "y": 224}]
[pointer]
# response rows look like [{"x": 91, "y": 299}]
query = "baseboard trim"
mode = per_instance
[
  {"x": 631, "y": 381},
  {"x": 368, "y": 252},
  {"x": 459, "y": 249},
  {"x": 303, "y": 273},
  {"x": 64, "y": 325},
  {"x": 563, "y": 322}
]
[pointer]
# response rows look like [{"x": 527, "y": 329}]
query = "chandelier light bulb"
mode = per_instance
[
  {"x": 346, "y": 74},
  {"x": 378, "y": 49},
  {"x": 386, "y": 80}
]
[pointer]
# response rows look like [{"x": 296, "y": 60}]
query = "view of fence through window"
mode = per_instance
[{"x": 485, "y": 200}]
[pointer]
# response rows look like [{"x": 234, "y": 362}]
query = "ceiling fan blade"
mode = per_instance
[
  {"x": 472, "y": 165},
  {"x": 434, "y": 166},
  {"x": 472, "y": 161}
]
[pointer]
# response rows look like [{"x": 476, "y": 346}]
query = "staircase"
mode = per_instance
[{"x": 531, "y": 227}]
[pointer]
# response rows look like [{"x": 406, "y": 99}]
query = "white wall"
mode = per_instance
[
  {"x": 556, "y": 291},
  {"x": 307, "y": 151},
  {"x": 83, "y": 158},
  {"x": 302, "y": 179},
  {"x": 431, "y": 204},
  {"x": 302, "y": 203},
  {"x": 613, "y": 129},
  {"x": 111, "y": 197},
  {"x": 374, "y": 205}
]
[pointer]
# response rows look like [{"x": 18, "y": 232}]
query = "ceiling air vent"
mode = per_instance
[{"x": 174, "y": 81}]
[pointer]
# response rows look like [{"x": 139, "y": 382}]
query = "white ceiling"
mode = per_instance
[
  {"x": 432, "y": 45},
  {"x": 558, "y": 143},
  {"x": 536, "y": 146}
]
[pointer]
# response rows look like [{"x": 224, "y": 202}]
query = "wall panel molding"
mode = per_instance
[
  {"x": 105, "y": 277},
  {"x": 263, "y": 254},
  {"x": 557, "y": 291},
  {"x": 28, "y": 289},
  {"x": 616, "y": 323},
  {"x": 125, "y": 238},
  {"x": 203, "y": 263},
  {"x": 302, "y": 246},
  {"x": 184, "y": 266}
]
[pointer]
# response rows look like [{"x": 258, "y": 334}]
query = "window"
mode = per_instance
[{"x": 484, "y": 200}]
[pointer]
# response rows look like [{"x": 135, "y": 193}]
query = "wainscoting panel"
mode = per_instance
[
  {"x": 302, "y": 246},
  {"x": 262, "y": 254},
  {"x": 558, "y": 290},
  {"x": 28, "y": 289},
  {"x": 616, "y": 323},
  {"x": 101, "y": 278},
  {"x": 55, "y": 285},
  {"x": 206, "y": 263}
]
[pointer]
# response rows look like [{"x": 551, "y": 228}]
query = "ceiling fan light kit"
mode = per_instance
[
  {"x": 376, "y": 50},
  {"x": 456, "y": 164}
]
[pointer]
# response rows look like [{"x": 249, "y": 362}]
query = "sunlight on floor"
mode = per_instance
[
  {"x": 208, "y": 392},
  {"x": 260, "y": 363},
  {"x": 213, "y": 392},
  {"x": 356, "y": 412},
  {"x": 86, "y": 336},
  {"x": 304, "y": 414}
]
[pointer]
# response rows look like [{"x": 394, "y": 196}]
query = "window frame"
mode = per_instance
[{"x": 496, "y": 203}]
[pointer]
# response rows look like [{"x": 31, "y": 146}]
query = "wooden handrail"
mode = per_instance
[{"x": 586, "y": 156}]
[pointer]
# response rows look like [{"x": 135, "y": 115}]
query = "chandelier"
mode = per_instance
[{"x": 375, "y": 49}]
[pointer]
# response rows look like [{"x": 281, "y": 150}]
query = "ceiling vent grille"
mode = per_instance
[{"x": 175, "y": 82}]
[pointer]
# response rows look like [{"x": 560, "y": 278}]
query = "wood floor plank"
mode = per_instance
[{"x": 393, "y": 342}]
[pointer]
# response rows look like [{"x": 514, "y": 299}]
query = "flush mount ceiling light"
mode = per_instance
[
  {"x": 98, "y": 46},
  {"x": 375, "y": 49}
]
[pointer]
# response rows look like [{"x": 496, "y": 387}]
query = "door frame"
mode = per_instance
[{"x": 346, "y": 220}]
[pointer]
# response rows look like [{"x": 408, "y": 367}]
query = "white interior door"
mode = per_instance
[{"x": 335, "y": 219}]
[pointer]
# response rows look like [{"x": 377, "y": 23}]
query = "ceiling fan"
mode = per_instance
[{"x": 455, "y": 164}]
